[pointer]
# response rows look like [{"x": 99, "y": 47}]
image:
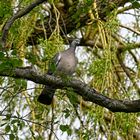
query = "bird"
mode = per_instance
[{"x": 63, "y": 62}]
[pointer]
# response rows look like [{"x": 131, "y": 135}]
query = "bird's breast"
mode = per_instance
[{"x": 67, "y": 65}]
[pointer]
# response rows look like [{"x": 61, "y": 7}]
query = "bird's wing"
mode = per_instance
[{"x": 57, "y": 58}]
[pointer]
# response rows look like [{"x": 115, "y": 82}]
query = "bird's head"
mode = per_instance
[{"x": 75, "y": 42}]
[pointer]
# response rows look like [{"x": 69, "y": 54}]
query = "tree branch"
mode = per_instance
[
  {"x": 133, "y": 80},
  {"x": 124, "y": 9},
  {"x": 88, "y": 93},
  {"x": 68, "y": 23},
  {"x": 19, "y": 14},
  {"x": 130, "y": 29}
]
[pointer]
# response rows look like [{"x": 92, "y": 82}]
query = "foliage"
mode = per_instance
[{"x": 103, "y": 65}]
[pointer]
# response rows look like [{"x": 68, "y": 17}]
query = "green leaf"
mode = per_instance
[
  {"x": 14, "y": 121},
  {"x": 69, "y": 131},
  {"x": 17, "y": 113},
  {"x": 15, "y": 62},
  {"x": 72, "y": 96},
  {"x": 8, "y": 64},
  {"x": 66, "y": 128},
  {"x": 67, "y": 113},
  {"x": 20, "y": 83},
  {"x": 11, "y": 137},
  {"x": 136, "y": 4},
  {"x": 14, "y": 52},
  {"x": 52, "y": 67},
  {"x": 5, "y": 9},
  {"x": 8, "y": 116},
  {"x": 7, "y": 128},
  {"x": 32, "y": 57},
  {"x": 21, "y": 125},
  {"x": 1, "y": 55},
  {"x": 63, "y": 128},
  {"x": 5, "y": 65},
  {"x": 15, "y": 128},
  {"x": 78, "y": 25}
]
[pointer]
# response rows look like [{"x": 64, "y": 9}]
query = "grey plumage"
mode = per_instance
[{"x": 62, "y": 63}]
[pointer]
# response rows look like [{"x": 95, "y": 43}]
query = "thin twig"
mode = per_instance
[
  {"x": 26, "y": 120},
  {"x": 130, "y": 29},
  {"x": 9, "y": 103},
  {"x": 29, "y": 121}
]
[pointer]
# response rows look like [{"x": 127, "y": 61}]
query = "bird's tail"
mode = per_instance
[{"x": 46, "y": 95}]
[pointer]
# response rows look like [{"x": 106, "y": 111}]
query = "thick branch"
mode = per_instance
[
  {"x": 122, "y": 45},
  {"x": 88, "y": 93}
]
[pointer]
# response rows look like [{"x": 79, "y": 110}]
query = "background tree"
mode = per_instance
[{"x": 109, "y": 61}]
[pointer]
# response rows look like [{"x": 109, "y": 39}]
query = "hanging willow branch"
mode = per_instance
[{"x": 19, "y": 14}]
